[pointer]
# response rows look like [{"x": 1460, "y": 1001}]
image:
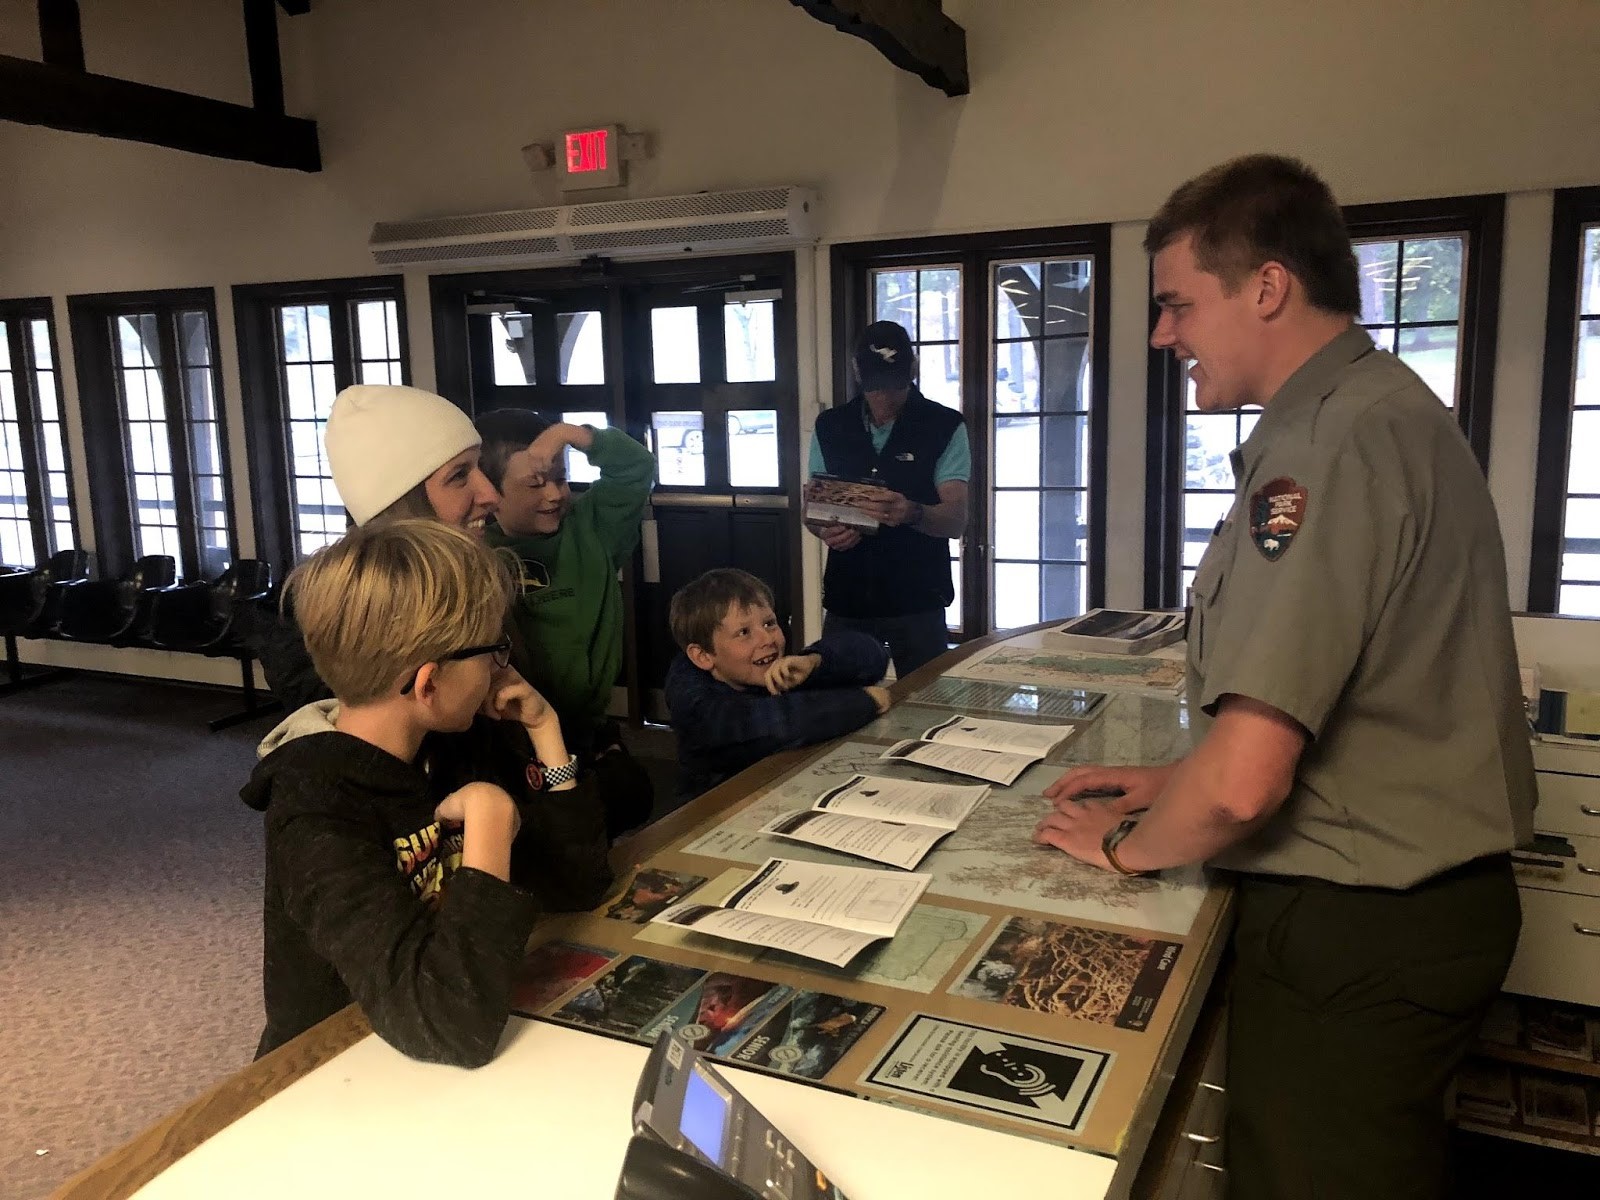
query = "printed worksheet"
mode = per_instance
[
  {"x": 945, "y": 805},
  {"x": 891, "y": 842},
  {"x": 992, "y": 765},
  {"x": 1009, "y": 737}
]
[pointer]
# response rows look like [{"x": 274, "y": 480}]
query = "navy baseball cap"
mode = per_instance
[{"x": 884, "y": 357}]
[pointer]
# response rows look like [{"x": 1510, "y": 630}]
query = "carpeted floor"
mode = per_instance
[{"x": 130, "y": 914}]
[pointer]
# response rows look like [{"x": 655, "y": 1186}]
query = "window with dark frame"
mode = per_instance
[
  {"x": 1023, "y": 312},
  {"x": 154, "y": 429},
  {"x": 1430, "y": 289},
  {"x": 300, "y": 344},
  {"x": 1564, "y": 571},
  {"x": 36, "y": 514}
]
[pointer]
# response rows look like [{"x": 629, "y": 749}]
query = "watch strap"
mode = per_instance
[{"x": 1113, "y": 838}]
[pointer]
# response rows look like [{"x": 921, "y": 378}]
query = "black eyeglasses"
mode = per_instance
[{"x": 501, "y": 651}]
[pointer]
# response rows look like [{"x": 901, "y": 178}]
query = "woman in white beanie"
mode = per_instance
[
  {"x": 394, "y": 452},
  {"x": 402, "y": 452}
]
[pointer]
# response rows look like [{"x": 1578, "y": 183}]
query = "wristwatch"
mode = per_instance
[
  {"x": 921, "y": 510},
  {"x": 1113, "y": 838},
  {"x": 542, "y": 778}
]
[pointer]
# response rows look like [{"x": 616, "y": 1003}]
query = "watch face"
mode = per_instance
[{"x": 535, "y": 775}]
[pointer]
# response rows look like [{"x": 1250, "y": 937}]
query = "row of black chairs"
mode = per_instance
[{"x": 146, "y": 606}]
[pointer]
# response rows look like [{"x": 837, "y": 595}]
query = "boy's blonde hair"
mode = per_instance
[
  {"x": 387, "y": 598},
  {"x": 699, "y": 605}
]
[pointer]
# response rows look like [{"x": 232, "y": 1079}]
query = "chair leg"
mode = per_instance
[
  {"x": 251, "y": 709},
  {"x": 18, "y": 682}
]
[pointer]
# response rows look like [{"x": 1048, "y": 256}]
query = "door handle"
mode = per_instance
[
  {"x": 1583, "y": 870},
  {"x": 1588, "y": 810},
  {"x": 1585, "y": 930}
]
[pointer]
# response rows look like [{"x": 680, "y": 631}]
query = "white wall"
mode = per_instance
[{"x": 1081, "y": 110}]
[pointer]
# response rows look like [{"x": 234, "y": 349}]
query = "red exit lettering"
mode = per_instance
[{"x": 586, "y": 151}]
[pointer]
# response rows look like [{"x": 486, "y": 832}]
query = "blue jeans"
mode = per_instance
[{"x": 913, "y": 639}]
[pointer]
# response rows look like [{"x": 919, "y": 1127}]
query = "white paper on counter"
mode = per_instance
[
  {"x": 945, "y": 805},
  {"x": 806, "y": 938},
  {"x": 1009, "y": 737},
  {"x": 979, "y": 764},
  {"x": 858, "y": 898},
  {"x": 899, "y": 845}
]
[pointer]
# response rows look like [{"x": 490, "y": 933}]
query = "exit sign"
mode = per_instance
[{"x": 590, "y": 158}]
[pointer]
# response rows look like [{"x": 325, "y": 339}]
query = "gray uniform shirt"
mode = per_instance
[{"x": 1358, "y": 585}]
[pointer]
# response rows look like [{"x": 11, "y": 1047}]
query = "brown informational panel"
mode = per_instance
[{"x": 1025, "y": 992}]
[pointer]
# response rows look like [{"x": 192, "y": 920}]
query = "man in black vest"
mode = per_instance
[{"x": 894, "y": 583}]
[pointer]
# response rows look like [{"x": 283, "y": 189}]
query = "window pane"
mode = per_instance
[
  {"x": 381, "y": 372},
  {"x": 194, "y": 339},
  {"x": 1589, "y": 273},
  {"x": 1383, "y": 338},
  {"x": 1016, "y": 300},
  {"x": 753, "y": 448},
  {"x": 1016, "y": 451},
  {"x": 1201, "y": 512},
  {"x": 1067, "y": 297},
  {"x": 680, "y": 448},
  {"x": 1432, "y": 354},
  {"x": 1066, "y": 526},
  {"x": 136, "y": 338},
  {"x": 894, "y": 297},
  {"x": 952, "y": 614},
  {"x": 675, "y": 344},
  {"x": 939, "y": 305},
  {"x": 581, "y": 345},
  {"x": 374, "y": 320},
  {"x": 747, "y": 334},
  {"x": 1586, "y": 377},
  {"x": 1208, "y": 441},
  {"x": 1376, "y": 262},
  {"x": 579, "y": 468},
  {"x": 41, "y": 345},
  {"x": 1066, "y": 375},
  {"x": 1066, "y": 451},
  {"x": 939, "y": 374},
  {"x": 292, "y": 329},
  {"x": 1580, "y": 600},
  {"x": 1016, "y": 377},
  {"x": 1583, "y": 469},
  {"x": 511, "y": 337},
  {"x": 1016, "y": 524},
  {"x": 1431, "y": 279},
  {"x": 1066, "y": 591},
  {"x": 1016, "y": 594},
  {"x": 202, "y": 405}
]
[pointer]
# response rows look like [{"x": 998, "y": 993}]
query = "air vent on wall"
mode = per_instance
[{"x": 699, "y": 223}]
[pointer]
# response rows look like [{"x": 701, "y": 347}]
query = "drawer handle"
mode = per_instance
[
  {"x": 1585, "y": 930},
  {"x": 1217, "y": 1087},
  {"x": 1583, "y": 870},
  {"x": 1207, "y": 1139},
  {"x": 1589, "y": 810},
  {"x": 1205, "y": 1166}
]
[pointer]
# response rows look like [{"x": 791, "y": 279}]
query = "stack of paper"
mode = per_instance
[
  {"x": 998, "y": 751},
  {"x": 894, "y": 821},
  {"x": 827, "y": 913},
  {"x": 1116, "y": 631}
]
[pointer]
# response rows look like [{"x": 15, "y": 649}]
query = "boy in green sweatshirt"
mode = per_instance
[{"x": 569, "y": 616}]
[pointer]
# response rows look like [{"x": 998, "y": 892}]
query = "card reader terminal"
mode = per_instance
[{"x": 698, "y": 1137}]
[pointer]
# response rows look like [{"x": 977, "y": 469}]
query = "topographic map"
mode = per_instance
[
  {"x": 990, "y": 858},
  {"x": 1107, "y": 673}
]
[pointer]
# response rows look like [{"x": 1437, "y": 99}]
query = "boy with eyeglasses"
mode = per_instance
[{"x": 412, "y": 839}]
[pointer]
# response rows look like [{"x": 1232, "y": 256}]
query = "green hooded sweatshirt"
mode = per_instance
[{"x": 569, "y": 614}]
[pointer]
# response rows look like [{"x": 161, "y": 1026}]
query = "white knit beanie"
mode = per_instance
[{"x": 382, "y": 441}]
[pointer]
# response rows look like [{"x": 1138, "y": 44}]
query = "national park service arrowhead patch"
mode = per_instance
[{"x": 1276, "y": 510}]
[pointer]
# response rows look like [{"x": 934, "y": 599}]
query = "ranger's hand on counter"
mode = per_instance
[
  {"x": 1078, "y": 828},
  {"x": 1122, "y": 790}
]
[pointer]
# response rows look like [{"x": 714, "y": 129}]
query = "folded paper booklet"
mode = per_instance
[
  {"x": 1009, "y": 737},
  {"x": 822, "y": 912},
  {"x": 834, "y": 499},
  {"x": 1119, "y": 631},
  {"x": 993, "y": 765},
  {"x": 894, "y": 821}
]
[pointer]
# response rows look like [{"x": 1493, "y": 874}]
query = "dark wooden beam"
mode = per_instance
[
  {"x": 61, "y": 33},
  {"x": 36, "y": 93},
  {"x": 261, "y": 51},
  {"x": 295, "y": 8},
  {"x": 914, "y": 35}
]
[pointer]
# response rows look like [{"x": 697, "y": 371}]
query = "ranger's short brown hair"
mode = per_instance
[
  {"x": 1264, "y": 208},
  {"x": 699, "y": 605},
  {"x": 388, "y": 597}
]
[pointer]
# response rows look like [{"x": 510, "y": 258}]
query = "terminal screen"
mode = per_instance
[{"x": 705, "y": 1117}]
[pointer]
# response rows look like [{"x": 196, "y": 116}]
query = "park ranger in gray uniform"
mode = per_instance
[{"x": 1361, "y": 757}]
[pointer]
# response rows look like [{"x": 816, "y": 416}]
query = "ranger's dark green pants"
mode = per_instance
[{"x": 1351, "y": 1009}]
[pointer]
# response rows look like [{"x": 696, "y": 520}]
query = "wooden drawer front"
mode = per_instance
[
  {"x": 1568, "y": 804},
  {"x": 1553, "y": 958},
  {"x": 1560, "y": 864}
]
